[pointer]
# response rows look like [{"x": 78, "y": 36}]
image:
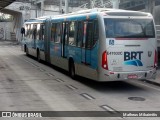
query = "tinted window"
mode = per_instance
[
  {"x": 89, "y": 36},
  {"x": 80, "y": 34},
  {"x": 53, "y": 31},
  {"x": 91, "y": 33},
  {"x": 65, "y": 32},
  {"x": 72, "y": 28},
  {"x": 38, "y": 31},
  {"x": 96, "y": 32},
  {"x": 58, "y": 33},
  {"x": 34, "y": 32},
  {"x": 42, "y": 31},
  {"x": 129, "y": 28},
  {"x": 31, "y": 31},
  {"x": 28, "y": 30}
]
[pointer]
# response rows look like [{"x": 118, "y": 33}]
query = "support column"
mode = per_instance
[
  {"x": 149, "y": 6},
  {"x": 42, "y": 8},
  {"x": 115, "y": 4},
  {"x": 36, "y": 11},
  {"x": 66, "y": 7},
  {"x": 90, "y": 4},
  {"x": 60, "y": 7},
  {"x": 102, "y": 3}
]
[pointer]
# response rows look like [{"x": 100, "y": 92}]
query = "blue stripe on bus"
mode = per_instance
[
  {"x": 32, "y": 21},
  {"x": 75, "y": 18}
]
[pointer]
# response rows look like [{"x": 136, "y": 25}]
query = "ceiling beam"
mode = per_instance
[{"x": 5, "y": 3}]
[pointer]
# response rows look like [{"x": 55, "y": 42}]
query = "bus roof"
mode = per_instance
[
  {"x": 92, "y": 12},
  {"x": 109, "y": 11}
]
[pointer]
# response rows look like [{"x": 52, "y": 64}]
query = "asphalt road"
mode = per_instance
[{"x": 26, "y": 85}]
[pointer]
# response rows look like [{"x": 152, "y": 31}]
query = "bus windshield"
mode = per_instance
[{"x": 129, "y": 28}]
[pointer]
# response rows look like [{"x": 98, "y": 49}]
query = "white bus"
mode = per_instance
[{"x": 99, "y": 44}]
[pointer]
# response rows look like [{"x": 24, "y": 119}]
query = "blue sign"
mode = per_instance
[
  {"x": 133, "y": 58},
  {"x": 111, "y": 42}
]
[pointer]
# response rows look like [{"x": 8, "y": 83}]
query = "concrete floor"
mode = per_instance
[{"x": 26, "y": 85}]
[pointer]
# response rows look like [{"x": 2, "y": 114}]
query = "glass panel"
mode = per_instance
[
  {"x": 38, "y": 31},
  {"x": 89, "y": 37},
  {"x": 53, "y": 31},
  {"x": 58, "y": 33},
  {"x": 129, "y": 28},
  {"x": 31, "y": 31},
  {"x": 71, "y": 34},
  {"x": 96, "y": 32},
  {"x": 66, "y": 31},
  {"x": 43, "y": 28},
  {"x": 84, "y": 34},
  {"x": 34, "y": 32},
  {"x": 80, "y": 34}
]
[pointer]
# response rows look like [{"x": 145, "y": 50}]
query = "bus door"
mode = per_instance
[
  {"x": 64, "y": 39},
  {"x": 86, "y": 43}
]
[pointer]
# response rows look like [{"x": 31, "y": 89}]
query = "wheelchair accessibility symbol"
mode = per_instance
[{"x": 111, "y": 42}]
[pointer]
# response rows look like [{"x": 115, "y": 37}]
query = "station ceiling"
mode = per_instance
[{"x": 4, "y": 3}]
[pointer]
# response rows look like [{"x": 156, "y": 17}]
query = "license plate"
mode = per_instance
[{"x": 132, "y": 76}]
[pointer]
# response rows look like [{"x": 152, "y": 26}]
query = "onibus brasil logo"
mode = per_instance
[{"x": 133, "y": 58}]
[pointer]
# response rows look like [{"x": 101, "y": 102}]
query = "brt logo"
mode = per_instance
[{"x": 133, "y": 58}]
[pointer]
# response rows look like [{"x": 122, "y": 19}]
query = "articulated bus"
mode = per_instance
[{"x": 99, "y": 44}]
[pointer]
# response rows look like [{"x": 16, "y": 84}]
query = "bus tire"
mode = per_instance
[
  {"x": 25, "y": 48},
  {"x": 38, "y": 56},
  {"x": 27, "y": 53},
  {"x": 72, "y": 70}
]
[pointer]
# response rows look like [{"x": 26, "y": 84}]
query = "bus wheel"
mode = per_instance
[
  {"x": 26, "y": 49},
  {"x": 72, "y": 70},
  {"x": 38, "y": 56}
]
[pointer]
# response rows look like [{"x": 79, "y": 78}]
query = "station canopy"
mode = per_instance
[{"x": 4, "y": 3}]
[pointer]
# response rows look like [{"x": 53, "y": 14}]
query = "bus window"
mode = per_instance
[
  {"x": 58, "y": 33},
  {"x": 149, "y": 29},
  {"x": 129, "y": 28},
  {"x": 95, "y": 34},
  {"x": 89, "y": 37},
  {"x": 84, "y": 34},
  {"x": 72, "y": 40},
  {"x": 90, "y": 34},
  {"x": 28, "y": 30},
  {"x": 53, "y": 31},
  {"x": 31, "y": 31},
  {"x": 38, "y": 31},
  {"x": 41, "y": 33},
  {"x": 34, "y": 32},
  {"x": 65, "y": 32},
  {"x": 79, "y": 34}
]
